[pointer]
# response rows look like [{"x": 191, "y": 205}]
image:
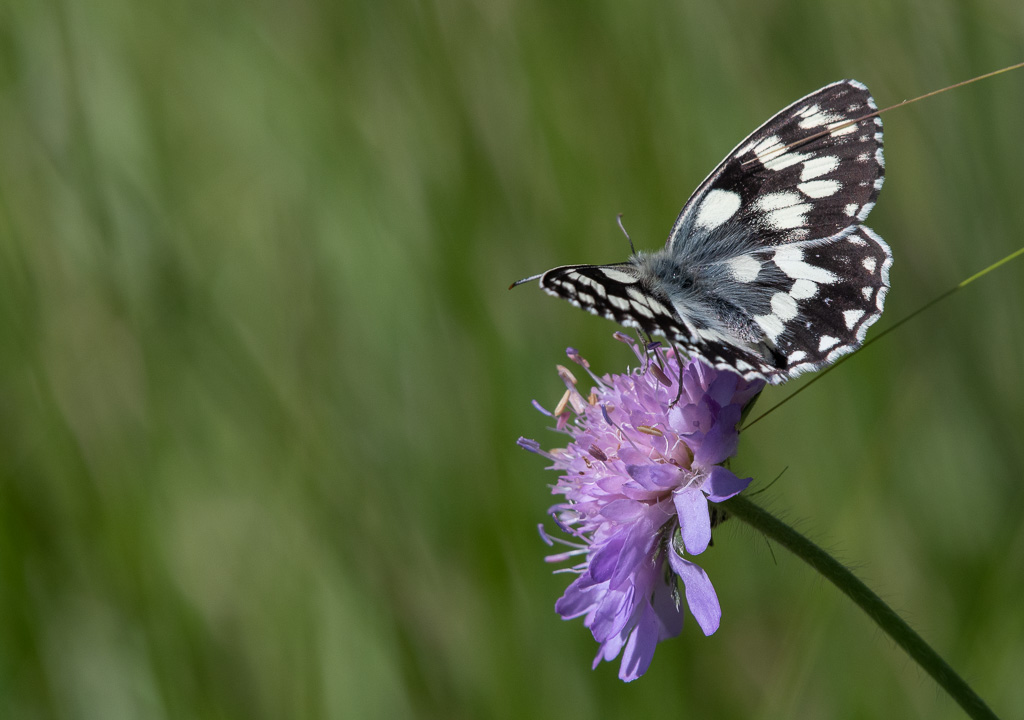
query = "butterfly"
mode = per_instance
[{"x": 768, "y": 271}]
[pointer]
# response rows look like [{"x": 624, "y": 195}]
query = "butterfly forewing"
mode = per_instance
[
  {"x": 618, "y": 293},
  {"x": 810, "y": 172}
]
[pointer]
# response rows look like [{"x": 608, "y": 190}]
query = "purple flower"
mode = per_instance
[{"x": 637, "y": 476}]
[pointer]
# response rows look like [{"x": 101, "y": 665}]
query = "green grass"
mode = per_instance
[{"x": 261, "y": 378}]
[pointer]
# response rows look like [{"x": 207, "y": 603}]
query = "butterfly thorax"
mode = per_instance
[{"x": 705, "y": 298}]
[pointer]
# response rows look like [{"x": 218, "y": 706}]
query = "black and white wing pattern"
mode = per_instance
[{"x": 768, "y": 270}]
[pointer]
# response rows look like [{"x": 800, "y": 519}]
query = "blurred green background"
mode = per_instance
[{"x": 262, "y": 379}]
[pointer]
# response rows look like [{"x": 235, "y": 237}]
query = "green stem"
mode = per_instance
[{"x": 870, "y": 603}]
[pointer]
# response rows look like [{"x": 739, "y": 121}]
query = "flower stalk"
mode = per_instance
[{"x": 887, "y": 619}]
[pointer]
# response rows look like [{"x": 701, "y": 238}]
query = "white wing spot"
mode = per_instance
[
  {"x": 869, "y": 264},
  {"x": 636, "y": 295},
  {"x": 826, "y": 342},
  {"x": 620, "y": 302},
  {"x": 840, "y": 128},
  {"x": 865, "y": 211},
  {"x": 618, "y": 276},
  {"x": 818, "y": 166},
  {"x": 744, "y": 268},
  {"x": 771, "y": 325},
  {"x": 658, "y": 307},
  {"x": 784, "y": 210},
  {"x": 787, "y": 218},
  {"x": 710, "y": 335},
  {"x": 852, "y": 317},
  {"x": 797, "y": 356},
  {"x": 640, "y": 304},
  {"x": 819, "y": 188},
  {"x": 790, "y": 260},
  {"x": 586, "y": 297},
  {"x": 593, "y": 284},
  {"x": 867, "y": 292},
  {"x": 773, "y": 154},
  {"x": 718, "y": 206},
  {"x": 803, "y": 290},
  {"x": 816, "y": 117},
  {"x": 777, "y": 201},
  {"x": 641, "y": 309},
  {"x": 765, "y": 148},
  {"x": 783, "y": 306},
  {"x": 851, "y": 209},
  {"x": 879, "y": 158},
  {"x": 854, "y": 240},
  {"x": 784, "y": 160}
]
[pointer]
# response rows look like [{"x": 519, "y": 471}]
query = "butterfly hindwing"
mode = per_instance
[
  {"x": 834, "y": 320},
  {"x": 815, "y": 302}
]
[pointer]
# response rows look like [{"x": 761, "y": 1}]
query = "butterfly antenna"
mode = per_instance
[
  {"x": 622, "y": 227},
  {"x": 525, "y": 280}
]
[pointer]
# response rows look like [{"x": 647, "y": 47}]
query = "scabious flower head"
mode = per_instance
[{"x": 637, "y": 476}]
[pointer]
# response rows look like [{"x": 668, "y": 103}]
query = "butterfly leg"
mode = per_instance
[{"x": 679, "y": 380}]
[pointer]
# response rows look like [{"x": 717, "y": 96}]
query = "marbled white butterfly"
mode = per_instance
[{"x": 768, "y": 270}]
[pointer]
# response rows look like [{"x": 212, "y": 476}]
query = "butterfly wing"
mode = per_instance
[
  {"x": 812, "y": 171},
  {"x": 767, "y": 270},
  {"x": 617, "y": 292},
  {"x": 775, "y": 230},
  {"x": 796, "y": 308}
]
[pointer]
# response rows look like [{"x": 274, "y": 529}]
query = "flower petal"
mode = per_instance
[
  {"x": 579, "y": 598},
  {"x": 655, "y": 476},
  {"x": 622, "y": 511},
  {"x": 723, "y": 387},
  {"x": 700, "y": 594},
  {"x": 721, "y": 439},
  {"x": 669, "y": 611},
  {"x": 694, "y": 519},
  {"x": 614, "y": 613},
  {"x": 606, "y": 557},
  {"x": 721, "y": 484},
  {"x": 639, "y": 651}
]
